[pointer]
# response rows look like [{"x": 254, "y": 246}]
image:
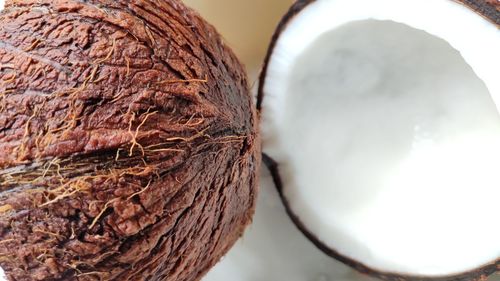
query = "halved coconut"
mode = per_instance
[{"x": 382, "y": 129}]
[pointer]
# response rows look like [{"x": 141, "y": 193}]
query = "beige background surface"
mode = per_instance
[{"x": 247, "y": 25}]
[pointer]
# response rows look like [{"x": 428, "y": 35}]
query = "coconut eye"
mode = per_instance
[{"x": 382, "y": 130}]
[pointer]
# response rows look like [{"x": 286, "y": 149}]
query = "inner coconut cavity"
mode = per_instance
[{"x": 388, "y": 145}]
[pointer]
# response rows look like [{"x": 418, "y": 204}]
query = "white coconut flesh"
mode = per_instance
[{"x": 383, "y": 118}]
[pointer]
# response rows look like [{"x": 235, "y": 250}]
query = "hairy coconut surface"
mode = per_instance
[
  {"x": 382, "y": 128},
  {"x": 128, "y": 142}
]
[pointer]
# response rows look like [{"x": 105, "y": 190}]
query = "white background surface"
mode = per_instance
[{"x": 272, "y": 249}]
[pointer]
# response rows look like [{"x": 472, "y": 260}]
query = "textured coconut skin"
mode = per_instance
[
  {"x": 129, "y": 147},
  {"x": 490, "y": 9}
]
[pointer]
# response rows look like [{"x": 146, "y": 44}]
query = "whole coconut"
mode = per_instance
[{"x": 128, "y": 141}]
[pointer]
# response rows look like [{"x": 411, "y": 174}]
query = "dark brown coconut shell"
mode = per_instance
[
  {"x": 129, "y": 147},
  {"x": 490, "y": 9}
]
